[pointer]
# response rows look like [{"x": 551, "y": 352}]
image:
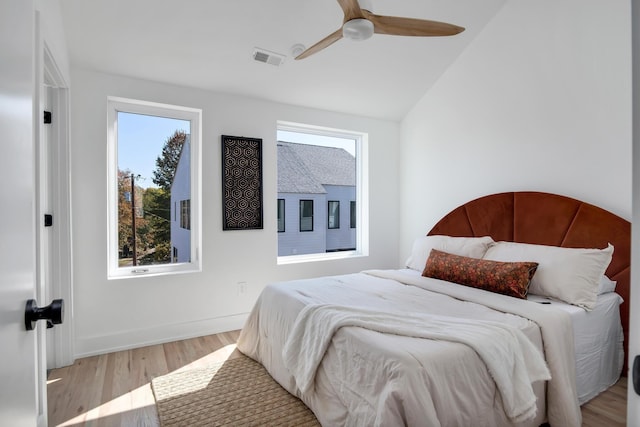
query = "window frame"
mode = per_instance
[
  {"x": 362, "y": 191},
  {"x": 312, "y": 215},
  {"x": 284, "y": 216},
  {"x": 336, "y": 216},
  {"x": 185, "y": 214},
  {"x": 116, "y": 105},
  {"x": 353, "y": 214}
]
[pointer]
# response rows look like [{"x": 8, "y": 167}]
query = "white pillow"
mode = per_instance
[
  {"x": 568, "y": 274},
  {"x": 606, "y": 285},
  {"x": 473, "y": 247}
]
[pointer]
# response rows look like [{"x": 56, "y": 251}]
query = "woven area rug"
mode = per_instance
[{"x": 237, "y": 392}]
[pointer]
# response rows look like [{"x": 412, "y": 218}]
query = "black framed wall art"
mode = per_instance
[{"x": 241, "y": 183}]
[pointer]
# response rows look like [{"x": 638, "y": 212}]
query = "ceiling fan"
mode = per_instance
[{"x": 360, "y": 24}]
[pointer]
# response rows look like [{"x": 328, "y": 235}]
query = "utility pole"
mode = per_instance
[{"x": 133, "y": 218}]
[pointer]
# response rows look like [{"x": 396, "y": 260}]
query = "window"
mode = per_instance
[
  {"x": 306, "y": 215},
  {"x": 353, "y": 214},
  {"x": 153, "y": 188},
  {"x": 185, "y": 214},
  {"x": 322, "y": 167},
  {"x": 281, "y": 228},
  {"x": 333, "y": 215}
]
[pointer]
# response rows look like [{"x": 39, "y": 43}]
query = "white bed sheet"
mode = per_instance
[
  {"x": 271, "y": 320},
  {"x": 598, "y": 342}
]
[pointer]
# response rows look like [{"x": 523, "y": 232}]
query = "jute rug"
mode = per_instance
[{"x": 237, "y": 392}]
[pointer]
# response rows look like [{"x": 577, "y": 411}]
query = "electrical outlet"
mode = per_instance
[{"x": 242, "y": 288}]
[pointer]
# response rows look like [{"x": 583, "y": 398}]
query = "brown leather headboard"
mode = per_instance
[{"x": 548, "y": 219}]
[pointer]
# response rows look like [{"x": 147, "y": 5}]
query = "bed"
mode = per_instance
[{"x": 393, "y": 347}]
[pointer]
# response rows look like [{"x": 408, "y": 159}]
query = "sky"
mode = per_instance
[
  {"x": 327, "y": 141},
  {"x": 141, "y": 138},
  {"x": 140, "y": 141}
]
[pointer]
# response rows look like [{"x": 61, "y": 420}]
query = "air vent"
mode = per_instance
[{"x": 272, "y": 58}]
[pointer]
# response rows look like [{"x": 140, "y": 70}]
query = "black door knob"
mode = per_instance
[{"x": 53, "y": 313}]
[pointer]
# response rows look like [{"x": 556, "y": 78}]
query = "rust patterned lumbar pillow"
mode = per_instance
[{"x": 508, "y": 278}]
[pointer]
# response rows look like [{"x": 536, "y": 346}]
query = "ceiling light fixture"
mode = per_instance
[{"x": 357, "y": 29}]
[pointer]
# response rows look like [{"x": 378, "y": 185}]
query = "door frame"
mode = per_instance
[{"x": 59, "y": 271}]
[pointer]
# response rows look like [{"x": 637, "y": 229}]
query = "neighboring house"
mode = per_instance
[
  {"x": 316, "y": 196},
  {"x": 181, "y": 206}
]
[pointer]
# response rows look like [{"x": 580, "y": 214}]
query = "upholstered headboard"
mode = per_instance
[{"x": 548, "y": 219}]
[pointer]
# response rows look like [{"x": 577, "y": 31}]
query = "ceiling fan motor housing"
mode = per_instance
[{"x": 357, "y": 29}]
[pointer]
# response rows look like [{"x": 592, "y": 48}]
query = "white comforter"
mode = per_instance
[
  {"x": 512, "y": 360},
  {"x": 371, "y": 378}
]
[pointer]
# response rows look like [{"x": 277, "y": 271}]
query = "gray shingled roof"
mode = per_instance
[{"x": 304, "y": 168}]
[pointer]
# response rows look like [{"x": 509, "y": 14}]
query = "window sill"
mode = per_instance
[
  {"x": 329, "y": 256},
  {"x": 154, "y": 271}
]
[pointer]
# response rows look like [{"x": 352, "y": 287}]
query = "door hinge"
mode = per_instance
[
  {"x": 48, "y": 220},
  {"x": 47, "y": 117}
]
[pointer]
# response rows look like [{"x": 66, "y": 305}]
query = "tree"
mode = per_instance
[
  {"x": 167, "y": 163},
  {"x": 158, "y": 200},
  {"x": 158, "y": 214},
  {"x": 153, "y": 207},
  {"x": 124, "y": 208},
  {"x": 125, "y": 235}
]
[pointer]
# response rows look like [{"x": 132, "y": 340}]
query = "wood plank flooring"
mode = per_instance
[
  {"x": 114, "y": 389},
  {"x": 607, "y": 409}
]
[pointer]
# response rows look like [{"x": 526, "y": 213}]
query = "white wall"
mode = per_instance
[
  {"x": 131, "y": 312},
  {"x": 540, "y": 100},
  {"x": 52, "y": 32}
]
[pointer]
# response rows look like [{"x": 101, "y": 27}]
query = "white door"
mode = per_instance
[
  {"x": 20, "y": 381},
  {"x": 633, "y": 397}
]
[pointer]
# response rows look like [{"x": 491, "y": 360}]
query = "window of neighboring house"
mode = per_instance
[
  {"x": 306, "y": 215},
  {"x": 154, "y": 171},
  {"x": 328, "y": 166},
  {"x": 333, "y": 214},
  {"x": 281, "y": 228},
  {"x": 352, "y": 206},
  {"x": 185, "y": 214}
]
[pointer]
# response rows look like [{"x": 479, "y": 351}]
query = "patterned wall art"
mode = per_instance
[{"x": 241, "y": 183}]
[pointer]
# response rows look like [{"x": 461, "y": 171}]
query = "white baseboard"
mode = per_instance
[{"x": 92, "y": 346}]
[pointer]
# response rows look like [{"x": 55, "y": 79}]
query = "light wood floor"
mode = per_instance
[{"x": 114, "y": 389}]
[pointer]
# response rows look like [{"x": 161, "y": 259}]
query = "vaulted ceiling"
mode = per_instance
[{"x": 209, "y": 44}]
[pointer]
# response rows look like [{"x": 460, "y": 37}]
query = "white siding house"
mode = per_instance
[
  {"x": 181, "y": 207},
  {"x": 321, "y": 177}
]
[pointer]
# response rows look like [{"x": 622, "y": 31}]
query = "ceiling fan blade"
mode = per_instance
[
  {"x": 397, "y": 26},
  {"x": 325, "y": 42},
  {"x": 351, "y": 9}
]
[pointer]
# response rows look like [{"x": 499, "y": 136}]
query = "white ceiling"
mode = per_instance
[{"x": 209, "y": 44}]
